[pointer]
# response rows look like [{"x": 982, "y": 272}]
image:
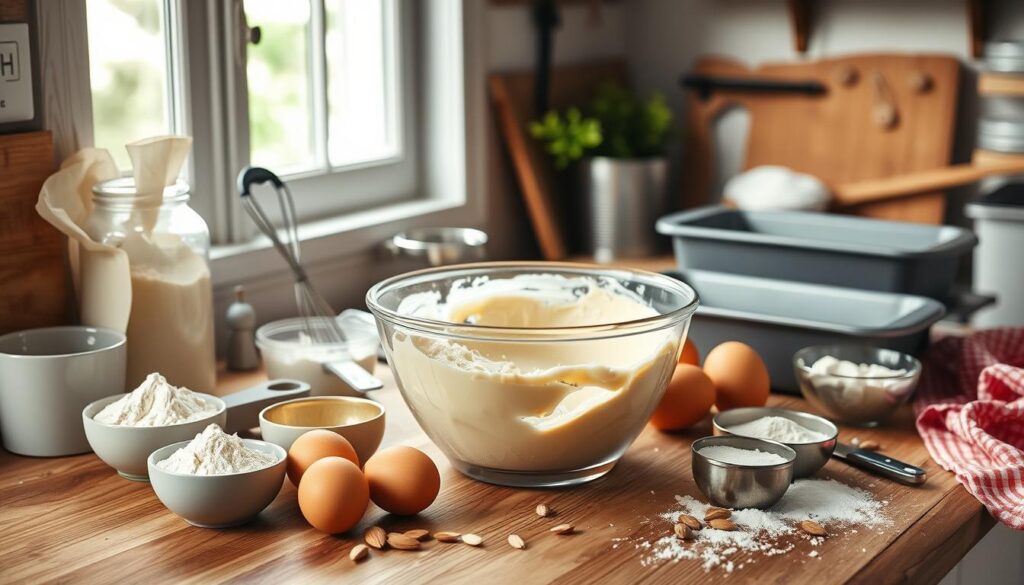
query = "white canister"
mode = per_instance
[
  {"x": 47, "y": 376},
  {"x": 999, "y": 223}
]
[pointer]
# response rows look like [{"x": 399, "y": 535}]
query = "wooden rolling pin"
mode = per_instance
[{"x": 919, "y": 182}]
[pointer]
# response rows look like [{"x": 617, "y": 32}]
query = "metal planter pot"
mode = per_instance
[{"x": 622, "y": 199}]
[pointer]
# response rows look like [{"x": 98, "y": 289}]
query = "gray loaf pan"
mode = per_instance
[
  {"x": 820, "y": 248},
  {"x": 778, "y": 317}
]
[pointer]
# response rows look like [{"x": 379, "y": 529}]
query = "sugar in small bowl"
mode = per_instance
[
  {"x": 812, "y": 437},
  {"x": 742, "y": 472}
]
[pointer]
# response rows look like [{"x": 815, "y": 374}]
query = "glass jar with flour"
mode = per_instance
[{"x": 170, "y": 326}]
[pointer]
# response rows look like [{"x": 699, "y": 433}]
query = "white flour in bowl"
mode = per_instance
[
  {"x": 156, "y": 403},
  {"x": 836, "y": 506},
  {"x": 214, "y": 452},
  {"x": 735, "y": 456},
  {"x": 777, "y": 428}
]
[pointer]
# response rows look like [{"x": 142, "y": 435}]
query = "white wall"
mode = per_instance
[{"x": 665, "y": 36}]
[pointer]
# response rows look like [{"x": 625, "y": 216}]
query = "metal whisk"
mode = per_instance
[
  {"x": 319, "y": 319},
  {"x": 317, "y": 314}
]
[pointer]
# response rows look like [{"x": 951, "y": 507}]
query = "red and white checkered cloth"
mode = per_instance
[{"x": 970, "y": 407}]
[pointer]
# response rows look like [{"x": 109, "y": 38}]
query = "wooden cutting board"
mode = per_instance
[
  {"x": 33, "y": 287},
  {"x": 544, "y": 190},
  {"x": 835, "y": 136}
]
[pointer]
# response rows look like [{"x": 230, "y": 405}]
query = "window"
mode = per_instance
[
  {"x": 323, "y": 97},
  {"x": 372, "y": 110},
  {"x": 142, "y": 74}
]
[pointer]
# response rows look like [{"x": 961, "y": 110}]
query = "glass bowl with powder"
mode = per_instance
[
  {"x": 741, "y": 472},
  {"x": 289, "y": 352},
  {"x": 856, "y": 384},
  {"x": 532, "y": 374},
  {"x": 811, "y": 437}
]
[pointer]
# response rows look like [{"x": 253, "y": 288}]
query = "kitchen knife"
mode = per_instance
[{"x": 880, "y": 464}]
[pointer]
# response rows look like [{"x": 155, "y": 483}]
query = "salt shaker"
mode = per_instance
[{"x": 241, "y": 320}]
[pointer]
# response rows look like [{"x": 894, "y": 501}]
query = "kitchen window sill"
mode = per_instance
[{"x": 329, "y": 241}]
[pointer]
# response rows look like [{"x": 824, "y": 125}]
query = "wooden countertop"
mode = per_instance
[{"x": 74, "y": 519}]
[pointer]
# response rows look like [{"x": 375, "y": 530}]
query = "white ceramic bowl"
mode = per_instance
[
  {"x": 126, "y": 448},
  {"x": 218, "y": 501},
  {"x": 359, "y": 420}
]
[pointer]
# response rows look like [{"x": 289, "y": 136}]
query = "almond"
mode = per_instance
[
  {"x": 690, "y": 522},
  {"x": 400, "y": 541},
  {"x": 418, "y": 534},
  {"x": 472, "y": 539},
  {"x": 376, "y": 537},
  {"x": 869, "y": 445},
  {"x": 722, "y": 524},
  {"x": 683, "y": 531},
  {"x": 813, "y": 528},
  {"x": 359, "y": 552},
  {"x": 446, "y": 536},
  {"x": 714, "y": 513},
  {"x": 516, "y": 541},
  {"x": 563, "y": 529},
  {"x": 543, "y": 511}
]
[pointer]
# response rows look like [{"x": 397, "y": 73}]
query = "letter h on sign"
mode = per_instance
[{"x": 9, "y": 61}]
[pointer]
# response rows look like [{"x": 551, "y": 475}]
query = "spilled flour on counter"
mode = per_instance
[{"x": 836, "y": 506}]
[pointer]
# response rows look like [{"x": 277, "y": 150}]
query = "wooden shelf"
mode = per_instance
[{"x": 1001, "y": 84}]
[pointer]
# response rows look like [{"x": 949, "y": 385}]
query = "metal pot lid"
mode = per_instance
[
  {"x": 1005, "y": 56},
  {"x": 1001, "y": 134},
  {"x": 1008, "y": 127}
]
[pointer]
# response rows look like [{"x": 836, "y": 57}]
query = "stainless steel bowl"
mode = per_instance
[
  {"x": 440, "y": 246},
  {"x": 858, "y": 400},
  {"x": 742, "y": 486},
  {"x": 810, "y": 457}
]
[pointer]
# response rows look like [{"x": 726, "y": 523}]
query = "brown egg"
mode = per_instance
[
  {"x": 688, "y": 398},
  {"x": 315, "y": 445},
  {"x": 689, "y": 355},
  {"x": 333, "y": 495},
  {"x": 739, "y": 374},
  {"x": 403, "y": 480}
]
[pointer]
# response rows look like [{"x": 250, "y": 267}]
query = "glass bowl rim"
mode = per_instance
[
  {"x": 806, "y": 369},
  {"x": 527, "y": 334}
]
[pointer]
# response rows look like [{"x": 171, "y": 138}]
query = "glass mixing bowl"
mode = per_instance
[
  {"x": 532, "y": 374},
  {"x": 865, "y": 400}
]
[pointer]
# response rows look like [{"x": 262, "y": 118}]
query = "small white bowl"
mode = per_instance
[
  {"x": 360, "y": 420},
  {"x": 218, "y": 501},
  {"x": 125, "y": 448}
]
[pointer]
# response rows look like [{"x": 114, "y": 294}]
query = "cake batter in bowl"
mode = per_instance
[{"x": 532, "y": 374}]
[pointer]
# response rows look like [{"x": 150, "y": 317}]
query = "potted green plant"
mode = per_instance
[{"x": 619, "y": 143}]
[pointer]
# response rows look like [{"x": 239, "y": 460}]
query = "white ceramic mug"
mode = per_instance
[{"x": 47, "y": 376}]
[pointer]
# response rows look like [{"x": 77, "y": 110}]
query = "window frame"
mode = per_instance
[
  {"x": 331, "y": 190},
  {"x": 450, "y": 112}
]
